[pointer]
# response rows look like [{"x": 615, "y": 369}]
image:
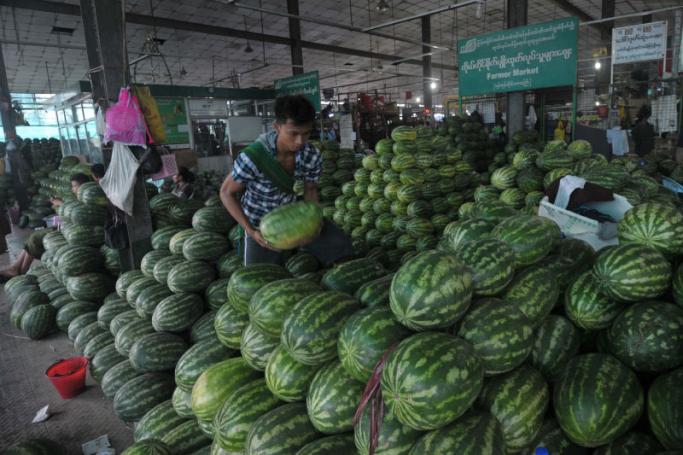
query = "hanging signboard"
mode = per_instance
[
  {"x": 174, "y": 117},
  {"x": 522, "y": 58},
  {"x": 307, "y": 84},
  {"x": 637, "y": 43}
]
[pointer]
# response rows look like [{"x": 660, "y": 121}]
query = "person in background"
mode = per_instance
[
  {"x": 560, "y": 132},
  {"x": 34, "y": 249},
  {"x": 331, "y": 134},
  {"x": 643, "y": 132},
  {"x": 182, "y": 183},
  {"x": 97, "y": 171}
]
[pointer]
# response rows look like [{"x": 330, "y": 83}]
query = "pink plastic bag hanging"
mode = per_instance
[{"x": 125, "y": 122}]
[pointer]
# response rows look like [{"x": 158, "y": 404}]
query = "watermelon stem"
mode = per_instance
[{"x": 373, "y": 395}]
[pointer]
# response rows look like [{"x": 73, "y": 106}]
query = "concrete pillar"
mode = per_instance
[
  {"x": 6, "y": 115},
  {"x": 607, "y": 10},
  {"x": 427, "y": 62},
  {"x": 517, "y": 12},
  {"x": 295, "y": 36}
]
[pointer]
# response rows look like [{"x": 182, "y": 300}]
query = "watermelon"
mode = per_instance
[
  {"x": 648, "y": 336},
  {"x": 632, "y": 272},
  {"x": 85, "y": 335},
  {"x": 239, "y": 412},
  {"x": 310, "y": 331},
  {"x": 24, "y": 302},
  {"x": 534, "y": 291},
  {"x": 292, "y": 225},
  {"x": 529, "y": 236},
  {"x": 286, "y": 378},
  {"x": 459, "y": 233},
  {"x": 79, "y": 323},
  {"x": 37, "y": 446},
  {"x": 116, "y": 377},
  {"x": 302, "y": 262},
  {"x": 216, "y": 294},
  {"x": 491, "y": 262},
  {"x": 136, "y": 288},
  {"x": 89, "y": 286},
  {"x": 121, "y": 320},
  {"x": 632, "y": 443},
  {"x": 597, "y": 399},
  {"x": 556, "y": 342},
  {"x": 158, "y": 421},
  {"x": 197, "y": 359},
  {"x": 150, "y": 297},
  {"x": 148, "y": 447},
  {"x": 126, "y": 279},
  {"x": 205, "y": 246},
  {"x": 109, "y": 310},
  {"x": 78, "y": 260},
  {"x": 504, "y": 177},
  {"x": 587, "y": 306},
  {"x": 349, "y": 276},
  {"x": 247, "y": 280},
  {"x": 177, "y": 312},
  {"x": 476, "y": 432},
  {"x": 340, "y": 443},
  {"x": 175, "y": 244},
  {"x": 186, "y": 438},
  {"x": 332, "y": 399},
  {"x": 190, "y": 276},
  {"x": 84, "y": 235},
  {"x": 365, "y": 337},
  {"x": 664, "y": 409},
  {"x": 97, "y": 342},
  {"x": 393, "y": 437},
  {"x": 150, "y": 259},
  {"x": 156, "y": 352},
  {"x": 551, "y": 437},
  {"x": 282, "y": 431},
  {"x": 229, "y": 324},
  {"x": 431, "y": 290},
  {"x": 423, "y": 398},
  {"x": 228, "y": 263},
  {"x": 376, "y": 292},
  {"x": 655, "y": 225},
  {"x": 579, "y": 149},
  {"x": 270, "y": 304},
  {"x": 203, "y": 328},
  {"x": 90, "y": 193},
  {"x": 212, "y": 219},
  {"x": 501, "y": 335},
  {"x": 130, "y": 333},
  {"x": 105, "y": 359},
  {"x": 256, "y": 347},
  {"x": 162, "y": 236},
  {"x": 164, "y": 266},
  {"x": 182, "y": 403},
  {"x": 217, "y": 383},
  {"x": 87, "y": 215},
  {"x": 384, "y": 146}
]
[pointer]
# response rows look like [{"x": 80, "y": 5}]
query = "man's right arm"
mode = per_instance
[{"x": 230, "y": 195}]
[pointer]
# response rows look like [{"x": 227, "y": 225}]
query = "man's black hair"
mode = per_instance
[
  {"x": 186, "y": 174},
  {"x": 295, "y": 108},
  {"x": 97, "y": 170},
  {"x": 81, "y": 178}
]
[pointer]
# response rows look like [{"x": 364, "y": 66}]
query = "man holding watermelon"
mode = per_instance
[{"x": 263, "y": 178}]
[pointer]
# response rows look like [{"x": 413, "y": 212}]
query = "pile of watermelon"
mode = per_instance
[{"x": 338, "y": 168}]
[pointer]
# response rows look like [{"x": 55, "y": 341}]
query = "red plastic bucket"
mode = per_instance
[{"x": 68, "y": 376}]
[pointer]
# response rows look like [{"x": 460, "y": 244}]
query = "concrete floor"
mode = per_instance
[{"x": 24, "y": 389}]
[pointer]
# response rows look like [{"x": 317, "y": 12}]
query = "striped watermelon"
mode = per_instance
[
  {"x": 164, "y": 266},
  {"x": 125, "y": 280},
  {"x": 36, "y": 446},
  {"x": 365, "y": 337},
  {"x": 121, "y": 320},
  {"x": 186, "y": 438},
  {"x": 105, "y": 359},
  {"x": 648, "y": 336},
  {"x": 587, "y": 306},
  {"x": 282, "y": 431},
  {"x": 239, "y": 412},
  {"x": 292, "y": 225},
  {"x": 116, "y": 377},
  {"x": 182, "y": 403},
  {"x": 393, "y": 438},
  {"x": 349, "y": 276},
  {"x": 431, "y": 290},
  {"x": 256, "y": 347},
  {"x": 217, "y": 383},
  {"x": 229, "y": 324},
  {"x": 136, "y": 288},
  {"x": 148, "y": 447},
  {"x": 504, "y": 177},
  {"x": 529, "y": 236},
  {"x": 99, "y": 341},
  {"x": 340, "y": 443},
  {"x": 109, "y": 310},
  {"x": 79, "y": 322},
  {"x": 632, "y": 272},
  {"x": 247, "y": 280},
  {"x": 677, "y": 286},
  {"x": 177, "y": 312},
  {"x": 203, "y": 328},
  {"x": 130, "y": 333},
  {"x": 270, "y": 304},
  {"x": 286, "y": 378},
  {"x": 216, "y": 294},
  {"x": 212, "y": 219},
  {"x": 632, "y": 443},
  {"x": 491, "y": 262},
  {"x": 409, "y": 193},
  {"x": 190, "y": 276},
  {"x": 162, "y": 236},
  {"x": 78, "y": 260},
  {"x": 198, "y": 359},
  {"x": 310, "y": 331},
  {"x": 384, "y": 146},
  {"x": 205, "y": 246},
  {"x": 556, "y": 342},
  {"x": 552, "y": 438},
  {"x": 158, "y": 421},
  {"x": 229, "y": 263},
  {"x": 429, "y": 398},
  {"x": 175, "y": 244},
  {"x": 652, "y": 224},
  {"x": 476, "y": 432},
  {"x": 302, "y": 262},
  {"x": 91, "y": 287},
  {"x": 39, "y": 321},
  {"x": 501, "y": 335},
  {"x": 150, "y": 259},
  {"x": 376, "y": 292},
  {"x": 332, "y": 399},
  {"x": 597, "y": 399},
  {"x": 156, "y": 352},
  {"x": 534, "y": 291},
  {"x": 149, "y": 299},
  {"x": 664, "y": 409},
  {"x": 518, "y": 400},
  {"x": 460, "y": 232}
]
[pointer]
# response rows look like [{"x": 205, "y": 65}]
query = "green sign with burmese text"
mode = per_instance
[
  {"x": 307, "y": 84},
  {"x": 522, "y": 58}
]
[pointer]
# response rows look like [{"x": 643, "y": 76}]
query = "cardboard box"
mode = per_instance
[{"x": 576, "y": 226}]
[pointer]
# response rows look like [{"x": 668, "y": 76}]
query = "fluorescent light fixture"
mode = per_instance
[{"x": 598, "y": 65}]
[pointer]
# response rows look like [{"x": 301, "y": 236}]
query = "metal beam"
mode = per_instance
[
  {"x": 517, "y": 16},
  {"x": 426, "y": 62},
  {"x": 574, "y": 10},
  {"x": 607, "y": 10},
  {"x": 295, "y": 36},
  {"x": 402, "y": 20},
  {"x": 160, "y": 22}
]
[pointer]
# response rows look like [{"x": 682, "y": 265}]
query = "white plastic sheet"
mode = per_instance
[{"x": 118, "y": 182}]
